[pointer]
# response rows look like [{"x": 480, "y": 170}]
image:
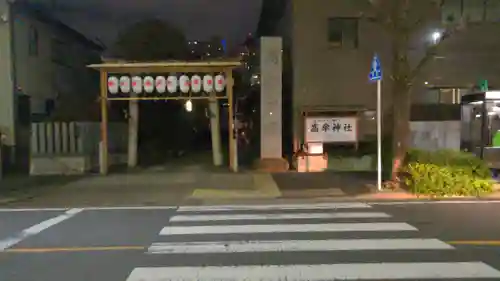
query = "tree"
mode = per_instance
[
  {"x": 154, "y": 40},
  {"x": 403, "y": 20},
  {"x": 151, "y": 40}
]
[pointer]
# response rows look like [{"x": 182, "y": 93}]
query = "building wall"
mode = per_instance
[
  {"x": 326, "y": 75},
  {"x": 51, "y": 64},
  {"x": 6, "y": 86}
]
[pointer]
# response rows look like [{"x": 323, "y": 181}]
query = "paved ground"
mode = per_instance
[
  {"x": 325, "y": 184},
  {"x": 151, "y": 187},
  {"x": 315, "y": 241},
  {"x": 164, "y": 186}
]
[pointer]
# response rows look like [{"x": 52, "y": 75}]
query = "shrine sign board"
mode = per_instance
[{"x": 331, "y": 129}]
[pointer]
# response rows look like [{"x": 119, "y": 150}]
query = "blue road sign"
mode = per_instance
[
  {"x": 376, "y": 69},
  {"x": 224, "y": 45}
]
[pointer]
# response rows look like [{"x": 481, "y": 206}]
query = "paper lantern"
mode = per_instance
[
  {"x": 184, "y": 84},
  {"x": 208, "y": 83},
  {"x": 125, "y": 84},
  {"x": 137, "y": 84},
  {"x": 220, "y": 83},
  {"x": 172, "y": 84},
  {"x": 196, "y": 83},
  {"x": 112, "y": 85},
  {"x": 160, "y": 84},
  {"x": 149, "y": 84}
]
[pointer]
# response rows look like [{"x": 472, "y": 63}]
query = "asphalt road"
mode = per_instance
[{"x": 336, "y": 241}]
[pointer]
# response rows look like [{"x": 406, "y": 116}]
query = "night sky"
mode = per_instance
[{"x": 199, "y": 19}]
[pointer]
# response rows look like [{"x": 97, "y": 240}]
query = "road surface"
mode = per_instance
[{"x": 334, "y": 241}]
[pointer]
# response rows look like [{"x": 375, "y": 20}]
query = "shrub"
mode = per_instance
[
  {"x": 453, "y": 158},
  {"x": 446, "y": 172}
]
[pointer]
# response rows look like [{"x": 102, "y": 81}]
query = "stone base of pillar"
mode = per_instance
[{"x": 271, "y": 165}]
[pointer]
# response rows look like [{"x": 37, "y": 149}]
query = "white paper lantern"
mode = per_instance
[
  {"x": 137, "y": 84},
  {"x": 112, "y": 85},
  {"x": 196, "y": 83},
  {"x": 184, "y": 84},
  {"x": 125, "y": 84},
  {"x": 149, "y": 84},
  {"x": 172, "y": 84},
  {"x": 208, "y": 83},
  {"x": 160, "y": 84},
  {"x": 220, "y": 83}
]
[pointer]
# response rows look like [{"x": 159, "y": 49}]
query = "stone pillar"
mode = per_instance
[
  {"x": 133, "y": 132},
  {"x": 271, "y": 154},
  {"x": 214, "y": 114}
]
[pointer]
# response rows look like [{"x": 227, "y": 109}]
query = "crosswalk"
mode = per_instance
[{"x": 306, "y": 242}]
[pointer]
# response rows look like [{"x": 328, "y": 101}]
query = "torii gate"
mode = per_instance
[{"x": 225, "y": 67}]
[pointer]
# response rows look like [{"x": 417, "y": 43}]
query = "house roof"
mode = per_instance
[{"x": 40, "y": 14}]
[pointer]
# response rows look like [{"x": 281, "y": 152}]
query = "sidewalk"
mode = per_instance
[
  {"x": 20, "y": 187},
  {"x": 150, "y": 187},
  {"x": 162, "y": 186},
  {"x": 191, "y": 186},
  {"x": 324, "y": 184}
]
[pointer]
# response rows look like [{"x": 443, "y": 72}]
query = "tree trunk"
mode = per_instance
[{"x": 401, "y": 129}]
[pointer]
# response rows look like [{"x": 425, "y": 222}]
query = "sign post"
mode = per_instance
[
  {"x": 376, "y": 75},
  {"x": 483, "y": 85}
]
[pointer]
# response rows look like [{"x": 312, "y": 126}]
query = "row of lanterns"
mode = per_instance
[{"x": 171, "y": 84}]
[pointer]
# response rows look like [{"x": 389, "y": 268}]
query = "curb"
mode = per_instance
[
  {"x": 9, "y": 200},
  {"x": 228, "y": 194},
  {"x": 405, "y": 195}
]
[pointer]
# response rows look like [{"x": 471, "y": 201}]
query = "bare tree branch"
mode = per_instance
[
  {"x": 432, "y": 51},
  {"x": 429, "y": 13}
]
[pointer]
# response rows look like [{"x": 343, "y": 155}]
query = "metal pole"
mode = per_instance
[
  {"x": 484, "y": 119},
  {"x": 379, "y": 135}
]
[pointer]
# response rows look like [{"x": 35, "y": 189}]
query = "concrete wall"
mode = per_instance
[
  {"x": 331, "y": 76},
  {"x": 434, "y": 135}
]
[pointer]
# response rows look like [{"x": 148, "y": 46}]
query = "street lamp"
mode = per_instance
[
  {"x": 188, "y": 106},
  {"x": 436, "y": 35}
]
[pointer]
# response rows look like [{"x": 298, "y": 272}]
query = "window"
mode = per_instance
[
  {"x": 443, "y": 95},
  {"x": 57, "y": 49},
  {"x": 33, "y": 41},
  {"x": 343, "y": 32},
  {"x": 471, "y": 10},
  {"x": 61, "y": 53}
]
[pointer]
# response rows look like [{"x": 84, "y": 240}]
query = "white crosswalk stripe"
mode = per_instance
[
  {"x": 319, "y": 206},
  {"x": 337, "y": 241},
  {"x": 297, "y": 245},
  {"x": 233, "y": 217}
]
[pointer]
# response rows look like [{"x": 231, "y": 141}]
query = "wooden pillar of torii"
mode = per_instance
[{"x": 224, "y": 67}]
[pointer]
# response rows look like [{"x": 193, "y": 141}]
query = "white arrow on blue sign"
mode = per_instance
[{"x": 376, "y": 70}]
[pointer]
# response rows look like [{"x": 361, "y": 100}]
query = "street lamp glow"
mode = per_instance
[
  {"x": 436, "y": 35},
  {"x": 188, "y": 106}
]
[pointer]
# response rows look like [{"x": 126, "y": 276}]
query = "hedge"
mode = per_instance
[{"x": 446, "y": 172}]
